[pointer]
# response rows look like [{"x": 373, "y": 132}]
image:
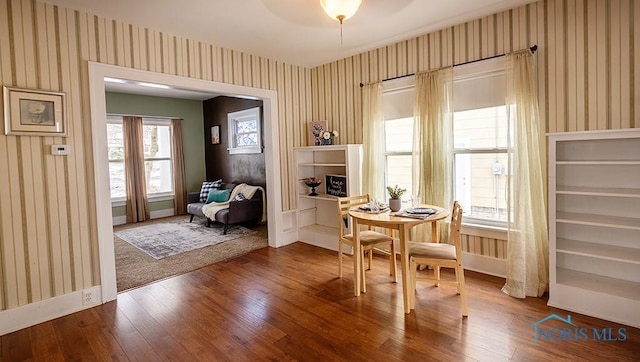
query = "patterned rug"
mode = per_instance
[{"x": 167, "y": 239}]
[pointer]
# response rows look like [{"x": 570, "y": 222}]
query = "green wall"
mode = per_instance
[{"x": 192, "y": 125}]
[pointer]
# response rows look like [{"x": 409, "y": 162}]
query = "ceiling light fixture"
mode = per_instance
[
  {"x": 153, "y": 85},
  {"x": 340, "y": 10}
]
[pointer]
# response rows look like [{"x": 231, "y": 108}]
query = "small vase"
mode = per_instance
[
  {"x": 328, "y": 142},
  {"x": 395, "y": 204}
]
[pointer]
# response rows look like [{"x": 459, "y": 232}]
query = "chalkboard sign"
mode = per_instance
[{"x": 336, "y": 185}]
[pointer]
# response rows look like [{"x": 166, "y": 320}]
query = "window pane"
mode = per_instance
[
  {"x": 399, "y": 134},
  {"x": 481, "y": 128},
  {"x": 158, "y": 176},
  {"x": 116, "y": 179},
  {"x": 247, "y": 139},
  {"x": 399, "y": 172},
  {"x": 481, "y": 185},
  {"x": 115, "y": 142},
  {"x": 250, "y": 126},
  {"x": 157, "y": 141}
]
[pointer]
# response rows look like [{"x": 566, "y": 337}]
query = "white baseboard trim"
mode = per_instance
[
  {"x": 161, "y": 213},
  {"x": 485, "y": 264},
  {"x": 15, "y": 319},
  {"x": 119, "y": 220}
]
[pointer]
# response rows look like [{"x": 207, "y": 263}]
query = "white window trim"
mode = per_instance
[
  {"x": 235, "y": 117},
  {"x": 156, "y": 196}
]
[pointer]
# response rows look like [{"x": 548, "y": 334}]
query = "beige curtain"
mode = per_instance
[
  {"x": 432, "y": 143},
  {"x": 136, "y": 185},
  {"x": 177, "y": 155},
  {"x": 373, "y": 141},
  {"x": 528, "y": 243}
]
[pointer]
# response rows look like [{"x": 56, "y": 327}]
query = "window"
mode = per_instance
[
  {"x": 398, "y": 98},
  {"x": 480, "y": 142},
  {"x": 156, "y": 138},
  {"x": 245, "y": 135}
]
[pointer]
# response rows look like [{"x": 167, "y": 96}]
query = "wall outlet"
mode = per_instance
[{"x": 87, "y": 298}]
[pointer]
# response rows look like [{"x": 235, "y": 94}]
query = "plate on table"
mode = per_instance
[
  {"x": 381, "y": 207},
  {"x": 421, "y": 210}
]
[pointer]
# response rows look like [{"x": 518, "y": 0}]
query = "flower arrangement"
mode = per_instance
[
  {"x": 328, "y": 136},
  {"x": 395, "y": 192}
]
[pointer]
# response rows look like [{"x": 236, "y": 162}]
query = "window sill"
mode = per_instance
[
  {"x": 484, "y": 231},
  {"x": 162, "y": 197}
]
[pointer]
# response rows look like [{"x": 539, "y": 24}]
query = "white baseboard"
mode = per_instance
[
  {"x": 15, "y": 319},
  {"x": 119, "y": 220},
  {"x": 485, "y": 264}
]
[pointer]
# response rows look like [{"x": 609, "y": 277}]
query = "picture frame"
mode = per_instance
[
  {"x": 31, "y": 112},
  {"x": 215, "y": 135},
  {"x": 315, "y": 131},
  {"x": 336, "y": 185}
]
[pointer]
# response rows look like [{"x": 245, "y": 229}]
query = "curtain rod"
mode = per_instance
[
  {"x": 532, "y": 49},
  {"x": 143, "y": 116}
]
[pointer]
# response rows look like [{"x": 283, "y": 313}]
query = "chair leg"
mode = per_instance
[
  {"x": 339, "y": 259},
  {"x": 191, "y": 219},
  {"x": 392, "y": 262},
  {"x": 436, "y": 271},
  {"x": 226, "y": 227},
  {"x": 412, "y": 284},
  {"x": 370, "y": 253},
  {"x": 364, "y": 283},
  {"x": 462, "y": 289}
]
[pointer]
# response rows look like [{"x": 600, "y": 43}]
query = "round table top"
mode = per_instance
[{"x": 388, "y": 217}]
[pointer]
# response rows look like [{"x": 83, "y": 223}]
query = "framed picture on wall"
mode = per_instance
[
  {"x": 215, "y": 135},
  {"x": 315, "y": 132},
  {"x": 33, "y": 112}
]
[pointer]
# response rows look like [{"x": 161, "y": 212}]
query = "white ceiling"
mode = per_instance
[{"x": 297, "y": 32}]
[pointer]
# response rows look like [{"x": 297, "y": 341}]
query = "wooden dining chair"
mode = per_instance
[
  {"x": 436, "y": 254},
  {"x": 370, "y": 240}
]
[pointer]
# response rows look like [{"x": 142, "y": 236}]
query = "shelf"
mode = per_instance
[
  {"x": 324, "y": 197},
  {"x": 599, "y": 163},
  {"x": 599, "y": 251},
  {"x": 323, "y": 164},
  {"x": 598, "y": 283},
  {"x": 597, "y": 191},
  {"x": 598, "y": 220}
]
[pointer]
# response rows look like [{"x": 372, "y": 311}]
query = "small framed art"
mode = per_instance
[
  {"x": 215, "y": 135},
  {"x": 316, "y": 128},
  {"x": 31, "y": 112}
]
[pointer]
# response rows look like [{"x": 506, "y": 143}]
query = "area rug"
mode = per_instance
[
  {"x": 135, "y": 268},
  {"x": 177, "y": 237}
]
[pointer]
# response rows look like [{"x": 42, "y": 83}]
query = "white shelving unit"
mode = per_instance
[
  {"x": 594, "y": 223},
  {"x": 317, "y": 215}
]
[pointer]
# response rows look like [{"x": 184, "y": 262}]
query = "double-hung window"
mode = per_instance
[
  {"x": 156, "y": 140},
  {"x": 244, "y": 131},
  {"x": 398, "y": 99},
  {"x": 480, "y": 142}
]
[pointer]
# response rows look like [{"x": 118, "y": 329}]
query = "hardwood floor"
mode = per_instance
[{"x": 287, "y": 304}]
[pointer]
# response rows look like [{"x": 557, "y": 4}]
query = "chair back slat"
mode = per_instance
[
  {"x": 456, "y": 221},
  {"x": 346, "y": 203}
]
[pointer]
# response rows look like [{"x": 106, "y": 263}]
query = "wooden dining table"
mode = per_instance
[{"x": 403, "y": 225}]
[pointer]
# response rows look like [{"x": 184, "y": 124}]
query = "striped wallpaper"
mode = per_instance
[
  {"x": 587, "y": 75},
  {"x": 588, "y": 63},
  {"x": 48, "y": 242}
]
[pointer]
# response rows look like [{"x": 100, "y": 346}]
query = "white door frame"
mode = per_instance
[{"x": 97, "y": 72}]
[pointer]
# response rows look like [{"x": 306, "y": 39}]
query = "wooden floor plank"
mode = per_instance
[{"x": 287, "y": 304}]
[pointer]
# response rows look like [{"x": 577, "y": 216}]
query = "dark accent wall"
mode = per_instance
[{"x": 248, "y": 168}]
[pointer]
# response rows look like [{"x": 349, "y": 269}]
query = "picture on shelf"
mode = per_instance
[
  {"x": 316, "y": 131},
  {"x": 336, "y": 185}
]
